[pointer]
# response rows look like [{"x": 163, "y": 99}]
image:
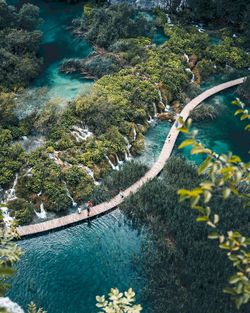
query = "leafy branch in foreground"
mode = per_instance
[
  {"x": 230, "y": 176},
  {"x": 119, "y": 302},
  {"x": 33, "y": 309}
]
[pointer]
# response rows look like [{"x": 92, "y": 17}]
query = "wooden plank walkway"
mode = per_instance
[{"x": 152, "y": 173}]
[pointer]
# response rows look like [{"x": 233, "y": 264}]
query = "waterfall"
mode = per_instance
[
  {"x": 28, "y": 172},
  {"x": 155, "y": 110},
  {"x": 80, "y": 133},
  {"x": 167, "y": 108},
  {"x": 118, "y": 160},
  {"x": 160, "y": 96},
  {"x": 134, "y": 133},
  {"x": 42, "y": 214},
  {"x": 168, "y": 19},
  {"x": 151, "y": 121},
  {"x": 127, "y": 153},
  {"x": 116, "y": 168},
  {"x": 186, "y": 57},
  {"x": 91, "y": 174},
  {"x": 69, "y": 195},
  {"x": 6, "y": 215},
  {"x": 11, "y": 193},
  {"x": 193, "y": 77}
]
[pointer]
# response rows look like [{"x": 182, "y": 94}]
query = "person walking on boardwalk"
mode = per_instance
[
  {"x": 89, "y": 206},
  {"x": 121, "y": 194}
]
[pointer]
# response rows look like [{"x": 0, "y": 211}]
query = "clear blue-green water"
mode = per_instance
[
  {"x": 64, "y": 271},
  {"x": 59, "y": 44}
]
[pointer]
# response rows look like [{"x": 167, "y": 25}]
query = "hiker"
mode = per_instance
[
  {"x": 79, "y": 210},
  {"x": 89, "y": 206},
  {"x": 121, "y": 194}
]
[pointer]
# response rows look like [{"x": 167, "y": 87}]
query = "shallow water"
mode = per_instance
[
  {"x": 65, "y": 270},
  {"x": 59, "y": 44},
  {"x": 225, "y": 133}
]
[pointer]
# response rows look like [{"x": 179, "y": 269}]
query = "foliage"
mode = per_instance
[
  {"x": 116, "y": 181},
  {"x": 19, "y": 42},
  {"x": 119, "y": 302},
  {"x": 226, "y": 174},
  {"x": 180, "y": 267},
  {"x": 244, "y": 89},
  {"x": 9, "y": 253},
  {"x": 33, "y": 309},
  {"x": 103, "y": 26},
  {"x": 203, "y": 112}
]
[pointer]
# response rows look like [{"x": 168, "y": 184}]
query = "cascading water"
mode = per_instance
[
  {"x": 42, "y": 214},
  {"x": 6, "y": 215},
  {"x": 119, "y": 162},
  {"x": 134, "y": 133},
  {"x": 160, "y": 96},
  {"x": 116, "y": 168},
  {"x": 80, "y": 133},
  {"x": 74, "y": 204},
  {"x": 91, "y": 174},
  {"x": 127, "y": 153},
  {"x": 11, "y": 193},
  {"x": 186, "y": 57},
  {"x": 193, "y": 77},
  {"x": 155, "y": 110}
]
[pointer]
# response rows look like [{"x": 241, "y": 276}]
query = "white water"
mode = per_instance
[
  {"x": 167, "y": 108},
  {"x": 28, "y": 172},
  {"x": 155, "y": 110},
  {"x": 11, "y": 193},
  {"x": 6, "y": 215},
  {"x": 74, "y": 204},
  {"x": 31, "y": 143},
  {"x": 193, "y": 77},
  {"x": 160, "y": 96},
  {"x": 80, "y": 133},
  {"x": 119, "y": 162},
  {"x": 134, "y": 133},
  {"x": 116, "y": 168},
  {"x": 42, "y": 214},
  {"x": 127, "y": 155},
  {"x": 186, "y": 57},
  {"x": 91, "y": 174}
]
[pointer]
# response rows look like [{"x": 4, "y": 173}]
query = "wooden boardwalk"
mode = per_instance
[{"x": 152, "y": 173}]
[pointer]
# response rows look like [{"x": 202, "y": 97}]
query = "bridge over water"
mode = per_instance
[{"x": 157, "y": 167}]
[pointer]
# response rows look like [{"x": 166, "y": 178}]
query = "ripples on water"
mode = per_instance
[{"x": 63, "y": 271}]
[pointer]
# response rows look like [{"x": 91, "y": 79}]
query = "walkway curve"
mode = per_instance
[{"x": 152, "y": 173}]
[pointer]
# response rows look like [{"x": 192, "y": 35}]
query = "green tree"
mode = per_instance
[{"x": 227, "y": 175}]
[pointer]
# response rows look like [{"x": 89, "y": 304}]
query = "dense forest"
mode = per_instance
[{"x": 184, "y": 271}]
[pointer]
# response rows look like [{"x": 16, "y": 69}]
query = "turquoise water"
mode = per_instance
[
  {"x": 59, "y": 44},
  {"x": 64, "y": 271},
  {"x": 226, "y": 132}
]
